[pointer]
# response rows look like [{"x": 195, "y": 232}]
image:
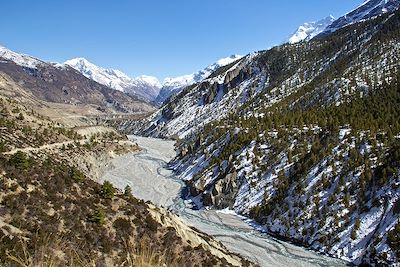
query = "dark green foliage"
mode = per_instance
[
  {"x": 353, "y": 234},
  {"x": 98, "y": 216},
  {"x": 128, "y": 191},
  {"x": 2, "y": 146},
  {"x": 394, "y": 239},
  {"x": 20, "y": 160},
  {"x": 77, "y": 175},
  {"x": 107, "y": 190}
]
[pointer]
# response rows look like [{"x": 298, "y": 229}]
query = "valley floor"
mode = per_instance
[{"x": 147, "y": 174}]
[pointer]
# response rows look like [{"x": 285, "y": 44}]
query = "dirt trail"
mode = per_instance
[{"x": 44, "y": 147}]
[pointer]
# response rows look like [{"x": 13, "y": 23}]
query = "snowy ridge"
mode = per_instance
[
  {"x": 309, "y": 30},
  {"x": 145, "y": 87},
  {"x": 367, "y": 10},
  {"x": 110, "y": 77},
  {"x": 19, "y": 59}
]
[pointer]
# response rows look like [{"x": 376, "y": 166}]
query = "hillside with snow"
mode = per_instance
[
  {"x": 369, "y": 9},
  {"x": 302, "y": 138},
  {"x": 172, "y": 86}
]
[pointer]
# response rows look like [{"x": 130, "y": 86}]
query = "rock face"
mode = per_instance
[
  {"x": 222, "y": 193},
  {"x": 173, "y": 86}
]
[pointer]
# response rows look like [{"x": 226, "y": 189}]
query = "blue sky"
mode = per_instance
[{"x": 155, "y": 37}]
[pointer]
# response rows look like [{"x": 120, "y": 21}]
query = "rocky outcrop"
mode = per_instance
[
  {"x": 211, "y": 91},
  {"x": 222, "y": 193}
]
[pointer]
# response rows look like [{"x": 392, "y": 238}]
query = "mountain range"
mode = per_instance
[
  {"x": 148, "y": 88},
  {"x": 59, "y": 86}
]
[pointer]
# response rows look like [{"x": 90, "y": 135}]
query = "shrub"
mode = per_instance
[
  {"x": 2, "y": 146},
  {"x": 20, "y": 117},
  {"x": 107, "y": 190},
  {"x": 151, "y": 223},
  {"x": 394, "y": 239},
  {"x": 98, "y": 216},
  {"x": 353, "y": 234},
  {"x": 128, "y": 191},
  {"x": 77, "y": 175},
  {"x": 19, "y": 160}
]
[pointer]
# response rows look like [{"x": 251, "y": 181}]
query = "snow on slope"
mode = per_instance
[
  {"x": 172, "y": 86},
  {"x": 19, "y": 59},
  {"x": 309, "y": 30},
  {"x": 367, "y": 10},
  {"x": 144, "y": 87}
]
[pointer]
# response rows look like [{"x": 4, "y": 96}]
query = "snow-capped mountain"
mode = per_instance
[
  {"x": 144, "y": 87},
  {"x": 19, "y": 59},
  {"x": 368, "y": 9},
  {"x": 59, "y": 83},
  {"x": 309, "y": 30},
  {"x": 172, "y": 86},
  {"x": 148, "y": 88}
]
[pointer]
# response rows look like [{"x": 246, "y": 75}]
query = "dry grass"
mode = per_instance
[
  {"x": 55, "y": 252},
  {"x": 49, "y": 252},
  {"x": 143, "y": 255}
]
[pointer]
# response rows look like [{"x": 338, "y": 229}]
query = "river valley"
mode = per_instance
[{"x": 147, "y": 174}]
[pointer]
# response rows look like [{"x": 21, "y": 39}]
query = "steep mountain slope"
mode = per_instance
[
  {"x": 172, "y": 86},
  {"x": 143, "y": 87},
  {"x": 309, "y": 30},
  {"x": 367, "y": 10},
  {"x": 62, "y": 84},
  {"x": 303, "y": 138}
]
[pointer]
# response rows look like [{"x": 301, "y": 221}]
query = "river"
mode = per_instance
[{"x": 147, "y": 174}]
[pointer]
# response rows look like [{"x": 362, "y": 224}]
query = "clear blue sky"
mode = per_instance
[{"x": 155, "y": 37}]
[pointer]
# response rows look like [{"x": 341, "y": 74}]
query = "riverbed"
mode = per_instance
[{"x": 147, "y": 174}]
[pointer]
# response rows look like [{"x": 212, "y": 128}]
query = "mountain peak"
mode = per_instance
[
  {"x": 144, "y": 87},
  {"x": 309, "y": 30},
  {"x": 228, "y": 60},
  {"x": 150, "y": 80}
]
